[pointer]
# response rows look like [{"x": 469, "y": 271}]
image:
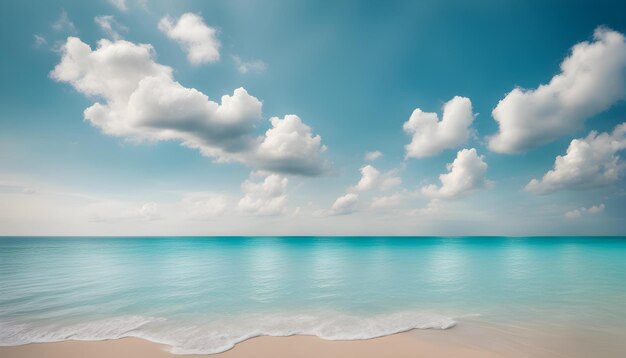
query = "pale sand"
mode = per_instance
[{"x": 468, "y": 340}]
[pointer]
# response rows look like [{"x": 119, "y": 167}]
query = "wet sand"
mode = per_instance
[{"x": 467, "y": 340}]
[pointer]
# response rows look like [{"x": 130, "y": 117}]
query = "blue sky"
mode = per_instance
[{"x": 353, "y": 72}]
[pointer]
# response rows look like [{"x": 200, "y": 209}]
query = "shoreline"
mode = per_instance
[
  {"x": 469, "y": 339},
  {"x": 398, "y": 345}
]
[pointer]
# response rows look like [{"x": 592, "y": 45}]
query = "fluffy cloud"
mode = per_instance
[
  {"x": 592, "y": 79},
  {"x": 465, "y": 175},
  {"x": 430, "y": 135},
  {"x": 197, "y": 39},
  {"x": 371, "y": 156},
  {"x": 590, "y": 162},
  {"x": 577, "y": 213},
  {"x": 268, "y": 197},
  {"x": 290, "y": 147},
  {"x": 244, "y": 67},
  {"x": 373, "y": 179},
  {"x": 344, "y": 205},
  {"x": 110, "y": 26},
  {"x": 142, "y": 101}
]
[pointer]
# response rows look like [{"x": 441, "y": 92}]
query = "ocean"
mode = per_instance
[{"x": 205, "y": 294}]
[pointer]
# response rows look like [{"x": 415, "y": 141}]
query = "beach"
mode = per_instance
[
  {"x": 313, "y": 179},
  {"x": 312, "y": 297},
  {"x": 399, "y": 345},
  {"x": 467, "y": 340}
]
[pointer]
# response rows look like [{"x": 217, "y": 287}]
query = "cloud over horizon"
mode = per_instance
[
  {"x": 144, "y": 102},
  {"x": 430, "y": 136},
  {"x": 373, "y": 179},
  {"x": 592, "y": 79},
  {"x": 214, "y": 117},
  {"x": 577, "y": 213},
  {"x": 268, "y": 197},
  {"x": 465, "y": 175},
  {"x": 590, "y": 162},
  {"x": 345, "y": 204}
]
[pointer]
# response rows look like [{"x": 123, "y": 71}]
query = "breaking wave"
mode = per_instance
[{"x": 222, "y": 334}]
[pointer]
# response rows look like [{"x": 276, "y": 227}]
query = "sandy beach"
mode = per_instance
[
  {"x": 467, "y": 340},
  {"x": 312, "y": 179},
  {"x": 400, "y": 345}
]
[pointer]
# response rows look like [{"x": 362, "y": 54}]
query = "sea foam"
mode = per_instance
[{"x": 222, "y": 334}]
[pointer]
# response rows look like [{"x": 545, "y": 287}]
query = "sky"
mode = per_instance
[{"x": 143, "y": 117}]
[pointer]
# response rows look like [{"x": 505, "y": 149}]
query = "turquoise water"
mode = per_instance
[{"x": 204, "y": 294}]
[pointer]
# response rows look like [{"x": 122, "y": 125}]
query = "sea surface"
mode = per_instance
[{"x": 205, "y": 294}]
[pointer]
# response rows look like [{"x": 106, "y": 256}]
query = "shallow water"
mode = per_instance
[{"x": 203, "y": 294}]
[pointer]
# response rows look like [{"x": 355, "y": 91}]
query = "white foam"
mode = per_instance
[
  {"x": 222, "y": 334},
  {"x": 13, "y": 333}
]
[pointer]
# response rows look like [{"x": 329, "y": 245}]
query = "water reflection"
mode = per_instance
[
  {"x": 207, "y": 278},
  {"x": 266, "y": 271},
  {"x": 447, "y": 265},
  {"x": 517, "y": 258},
  {"x": 378, "y": 265},
  {"x": 327, "y": 271}
]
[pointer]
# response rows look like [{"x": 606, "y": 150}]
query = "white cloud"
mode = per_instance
[
  {"x": 596, "y": 209},
  {"x": 373, "y": 179},
  {"x": 577, "y": 213},
  {"x": 244, "y": 67},
  {"x": 106, "y": 211},
  {"x": 149, "y": 211},
  {"x": 119, "y": 4},
  {"x": 110, "y": 26},
  {"x": 290, "y": 147},
  {"x": 142, "y": 101},
  {"x": 590, "y": 162},
  {"x": 371, "y": 156},
  {"x": 344, "y": 205},
  {"x": 268, "y": 197},
  {"x": 64, "y": 24},
  {"x": 434, "y": 208},
  {"x": 430, "y": 135},
  {"x": 53, "y": 210},
  {"x": 205, "y": 205},
  {"x": 465, "y": 175},
  {"x": 573, "y": 214},
  {"x": 197, "y": 39},
  {"x": 592, "y": 79},
  {"x": 388, "y": 201}
]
